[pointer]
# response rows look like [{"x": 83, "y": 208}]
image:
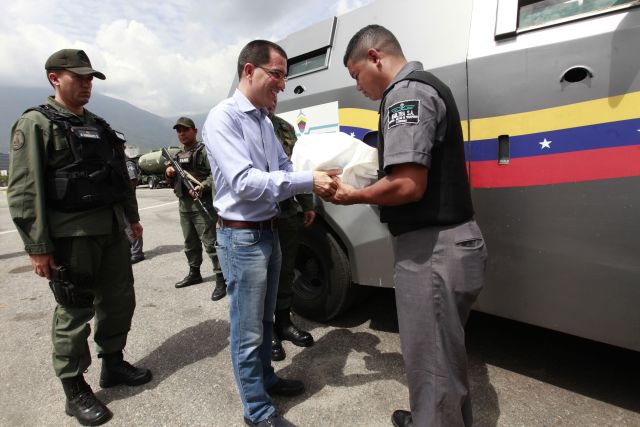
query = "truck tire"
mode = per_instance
[{"x": 322, "y": 287}]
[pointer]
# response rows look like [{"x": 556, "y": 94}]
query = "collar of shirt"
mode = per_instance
[
  {"x": 245, "y": 105},
  {"x": 62, "y": 109},
  {"x": 405, "y": 71}
]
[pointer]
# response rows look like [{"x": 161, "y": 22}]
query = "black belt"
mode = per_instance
[{"x": 268, "y": 224}]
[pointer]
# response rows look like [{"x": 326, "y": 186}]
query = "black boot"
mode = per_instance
[
  {"x": 277, "y": 351},
  {"x": 116, "y": 371},
  {"x": 83, "y": 404},
  {"x": 220, "y": 290},
  {"x": 193, "y": 278},
  {"x": 287, "y": 331}
]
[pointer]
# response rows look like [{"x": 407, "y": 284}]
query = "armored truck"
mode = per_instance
[{"x": 549, "y": 96}]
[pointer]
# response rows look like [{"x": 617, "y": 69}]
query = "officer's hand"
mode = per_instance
[
  {"x": 42, "y": 264},
  {"x": 195, "y": 192},
  {"x": 309, "y": 217},
  {"x": 343, "y": 194},
  {"x": 170, "y": 172},
  {"x": 136, "y": 230},
  {"x": 323, "y": 183}
]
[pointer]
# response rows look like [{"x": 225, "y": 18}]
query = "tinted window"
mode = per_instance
[
  {"x": 307, "y": 63},
  {"x": 535, "y": 13}
]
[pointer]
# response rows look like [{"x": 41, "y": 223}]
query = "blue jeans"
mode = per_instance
[{"x": 250, "y": 261}]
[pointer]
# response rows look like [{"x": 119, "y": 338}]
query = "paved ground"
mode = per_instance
[{"x": 521, "y": 375}]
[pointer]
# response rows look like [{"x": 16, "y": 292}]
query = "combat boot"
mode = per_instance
[
  {"x": 193, "y": 278},
  {"x": 220, "y": 290},
  {"x": 277, "y": 350},
  {"x": 287, "y": 331},
  {"x": 83, "y": 404},
  {"x": 116, "y": 371}
]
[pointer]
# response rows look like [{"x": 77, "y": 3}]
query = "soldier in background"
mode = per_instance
[
  {"x": 137, "y": 254},
  {"x": 197, "y": 228},
  {"x": 69, "y": 196},
  {"x": 290, "y": 224}
]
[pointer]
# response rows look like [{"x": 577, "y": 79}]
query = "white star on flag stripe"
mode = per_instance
[{"x": 545, "y": 144}]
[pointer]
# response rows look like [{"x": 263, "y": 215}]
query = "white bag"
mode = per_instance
[{"x": 324, "y": 151}]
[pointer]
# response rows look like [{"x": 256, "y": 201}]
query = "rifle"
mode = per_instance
[{"x": 186, "y": 181}]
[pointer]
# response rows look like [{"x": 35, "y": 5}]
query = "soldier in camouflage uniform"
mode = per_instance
[
  {"x": 69, "y": 197},
  {"x": 197, "y": 228},
  {"x": 290, "y": 223}
]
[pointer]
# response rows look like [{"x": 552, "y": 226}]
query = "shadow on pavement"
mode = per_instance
[
  {"x": 324, "y": 363},
  {"x": 600, "y": 371},
  {"x": 377, "y": 306},
  {"x": 162, "y": 250},
  {"x": 14, "y": 255},
  {"x": 203, "y": 340}
]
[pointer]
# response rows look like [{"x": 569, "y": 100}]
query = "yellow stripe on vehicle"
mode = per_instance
[{"x": 605, "y": 110}]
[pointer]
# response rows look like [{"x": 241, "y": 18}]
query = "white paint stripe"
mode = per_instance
[
  {"x": 141, "y": 209},
  {"x": 157, "y": 206}
]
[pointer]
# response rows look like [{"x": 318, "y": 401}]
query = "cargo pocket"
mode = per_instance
[{"x": 471, "y": 253}]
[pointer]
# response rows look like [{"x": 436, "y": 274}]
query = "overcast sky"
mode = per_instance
[{"x": 169, "y": 57}]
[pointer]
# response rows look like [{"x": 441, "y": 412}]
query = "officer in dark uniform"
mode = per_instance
[
  {"x": 69, "y": 197},
  {"x": 137, "y": 253},
  {"x": 424, "y": 197},
  {"x": 197, "y": 228},
  {"x": 290, "y": 224}
]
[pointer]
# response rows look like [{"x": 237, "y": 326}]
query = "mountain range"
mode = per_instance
[{"x": 143, "y": 129}]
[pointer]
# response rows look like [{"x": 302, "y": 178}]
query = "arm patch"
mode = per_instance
[
  {"x": 18, "y": 140},
  {"x": 404, "y": 113}
]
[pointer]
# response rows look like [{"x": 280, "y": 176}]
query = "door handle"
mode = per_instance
[{"x": 576, "y": 74}]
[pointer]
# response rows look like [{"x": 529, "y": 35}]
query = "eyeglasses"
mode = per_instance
[{"x": 276, "y": 74}]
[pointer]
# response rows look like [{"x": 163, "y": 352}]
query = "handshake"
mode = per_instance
[{"x": 330, "y": 188}]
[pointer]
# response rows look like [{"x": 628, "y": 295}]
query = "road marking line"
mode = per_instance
[
  {"x": 140, "y": 209},
  {"x": 158, "y": 206}
]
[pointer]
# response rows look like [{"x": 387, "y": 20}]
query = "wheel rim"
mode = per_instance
[{"x": 309, "y": 280}]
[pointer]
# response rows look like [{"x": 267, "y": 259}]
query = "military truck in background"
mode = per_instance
[
  {"x": 152, "y": 166},
  {"x": 549, "y": 95}
]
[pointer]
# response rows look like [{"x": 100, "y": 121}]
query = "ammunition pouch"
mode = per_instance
[{"x": 66, "y": 293}]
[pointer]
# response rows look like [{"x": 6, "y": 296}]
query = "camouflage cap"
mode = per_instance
[
  {"x": 186, "y": 122},
  {"x": 74, "y": 60}
]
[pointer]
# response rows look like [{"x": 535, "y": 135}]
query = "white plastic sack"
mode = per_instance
[{"x": 323, "y": 151}]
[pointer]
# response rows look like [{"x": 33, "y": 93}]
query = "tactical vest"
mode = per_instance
[
  {"x": 447, "y": 199},
  {"x": 188, "y": 160},
  {"x": 97, "y": 177}
]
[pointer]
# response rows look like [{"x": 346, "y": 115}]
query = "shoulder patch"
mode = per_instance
[
  {"x": 18, "y": 140},
  {"x": 404, "y": 113}
]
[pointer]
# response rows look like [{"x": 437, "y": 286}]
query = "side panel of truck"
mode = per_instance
[{"x": 560, "y": 217}]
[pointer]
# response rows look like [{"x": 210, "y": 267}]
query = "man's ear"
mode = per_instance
[
  {"x": 374, "y": 55},
  {"x": 53, "y": 79},
  {"x": 248, "y": 70}
]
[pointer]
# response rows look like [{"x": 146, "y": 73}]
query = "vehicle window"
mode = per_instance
[
  {"x": 307, "y": 63},
  {"x": 533, "y": 13}
]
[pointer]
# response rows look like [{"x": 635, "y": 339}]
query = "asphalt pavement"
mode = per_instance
[{"x": 354, "y": 375}]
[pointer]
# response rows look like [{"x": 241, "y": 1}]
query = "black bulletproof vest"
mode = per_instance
[
  {"x": 97, "y": 177},
  {"x": 188, "y": 160},
  {"x": 448, "y": 197}
]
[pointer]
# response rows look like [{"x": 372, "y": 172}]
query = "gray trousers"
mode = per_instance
[{"x": 439, "y": 272}]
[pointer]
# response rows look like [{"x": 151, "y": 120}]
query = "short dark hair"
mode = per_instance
[
  {"x": 371, "y": 36},
  {"x": 258, "y": 52}
]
